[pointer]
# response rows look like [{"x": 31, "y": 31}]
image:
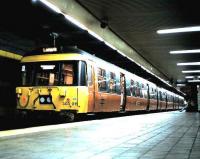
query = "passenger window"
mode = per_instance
[
  {"x": 89, "y": 72},
  {"x": 138, "y": 90},
  {"x": 101, "y": 79},
  {"x": 154, "y": 97},
  {"x": 160, "y": 96},
  {"x": 152, "y": 93},
  {"x": 132, "y": 88},
  {"x": 165, "y": 96},
  {"x": 144, "y": 91},
  {"x": 112, "y": 83},
  {"x": 141, "y": 90}
]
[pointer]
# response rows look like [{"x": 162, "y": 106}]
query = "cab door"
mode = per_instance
[
  {"x": 91, "y": 88},
  {"x": 148, "y": 97}
]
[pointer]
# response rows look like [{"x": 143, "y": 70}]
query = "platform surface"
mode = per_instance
[{"x": 167, "y": 135}]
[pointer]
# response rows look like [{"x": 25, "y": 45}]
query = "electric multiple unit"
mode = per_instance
[{"x": 74, "y": 82}]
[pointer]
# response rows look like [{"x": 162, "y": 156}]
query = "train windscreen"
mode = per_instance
[{"x": 50, "y": 73}]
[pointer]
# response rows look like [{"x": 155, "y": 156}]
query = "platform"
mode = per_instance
[{"x": 167, "y": 135}]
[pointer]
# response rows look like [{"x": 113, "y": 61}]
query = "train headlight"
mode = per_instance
[
  {"x": 42, "y": 99},
  {"x": 45, "y": 99},
  {"x": 48, "y": 100}
]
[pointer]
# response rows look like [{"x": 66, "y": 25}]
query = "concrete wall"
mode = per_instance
[{"x": 191, "y": 91}]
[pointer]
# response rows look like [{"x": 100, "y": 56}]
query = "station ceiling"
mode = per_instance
[
  {"x": 26, "y": 25},
  {"x": 136, "y": 22}
]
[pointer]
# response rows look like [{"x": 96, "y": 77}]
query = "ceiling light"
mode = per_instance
[
  {"x": 189, "y": 77},
  {"x": 180, "y": 85},
  {"x": 122, "y": 54},
  {"x": 188, "y": 64},
  {"x": 76, "y": 22},
  {"x": 179, "y": 30},
  {"x": 95, "y": 35},
  {"x": 185, "y": 51},
  {"x": 194, "y": 77},
  {"x": 191, "y": 71},
  {"x": 193, "y": 80},
  {"x": 110, "y": 45},
  {"x": 50, "y": 5}
]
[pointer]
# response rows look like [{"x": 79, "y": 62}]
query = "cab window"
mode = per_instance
[{"x": 68, "y": 74}]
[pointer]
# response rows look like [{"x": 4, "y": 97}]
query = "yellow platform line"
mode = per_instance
[{"x": 10, "y": 55}]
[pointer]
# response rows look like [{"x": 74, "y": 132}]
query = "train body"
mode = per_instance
[{"x": 77, "y": 82}]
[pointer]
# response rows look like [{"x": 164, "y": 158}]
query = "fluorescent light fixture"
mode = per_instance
[
  {"x": 179, "y": 30},
  {"x": 187, "y": 77},
  {"x": 180, "y": 85},
  {"x": 71, "y": 19},
  {"x": 50, "y": 5},
  {"x": 111, "y": 46},
  {"x": 185, "y": 51},
  {"x": 191, "y": 71},
  {"x": 193, "y": 80},
  {"x": 95, "y": 35},
  {"x": 194, "y": 77},
  {"x": 188, "y": 64},
  {"x": 122, "y": 54},
  {"x": 76, "y": 22}
]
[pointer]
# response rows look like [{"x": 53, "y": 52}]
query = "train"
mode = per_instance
[{"x": 71, "y": 82}]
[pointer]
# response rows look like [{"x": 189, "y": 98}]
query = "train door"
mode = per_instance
[
  {"x": 123, "y": 92},
  {"x": 158, "y": 99},
  {"x": 91, "y": 88},
  {"x": 166, "y": 99},
  {"x": 148, "y": 97}
]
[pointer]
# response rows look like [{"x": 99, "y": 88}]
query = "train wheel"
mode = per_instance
[{"x": 68, "y": 116}]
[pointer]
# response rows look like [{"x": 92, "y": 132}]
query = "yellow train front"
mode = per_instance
[{"x": 53, "y": 83}]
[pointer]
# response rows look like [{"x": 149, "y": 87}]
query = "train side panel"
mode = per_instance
[{"x": 135, "y": 104}]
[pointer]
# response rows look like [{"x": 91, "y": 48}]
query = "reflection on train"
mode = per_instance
[{"x": 74, "y": 81}]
